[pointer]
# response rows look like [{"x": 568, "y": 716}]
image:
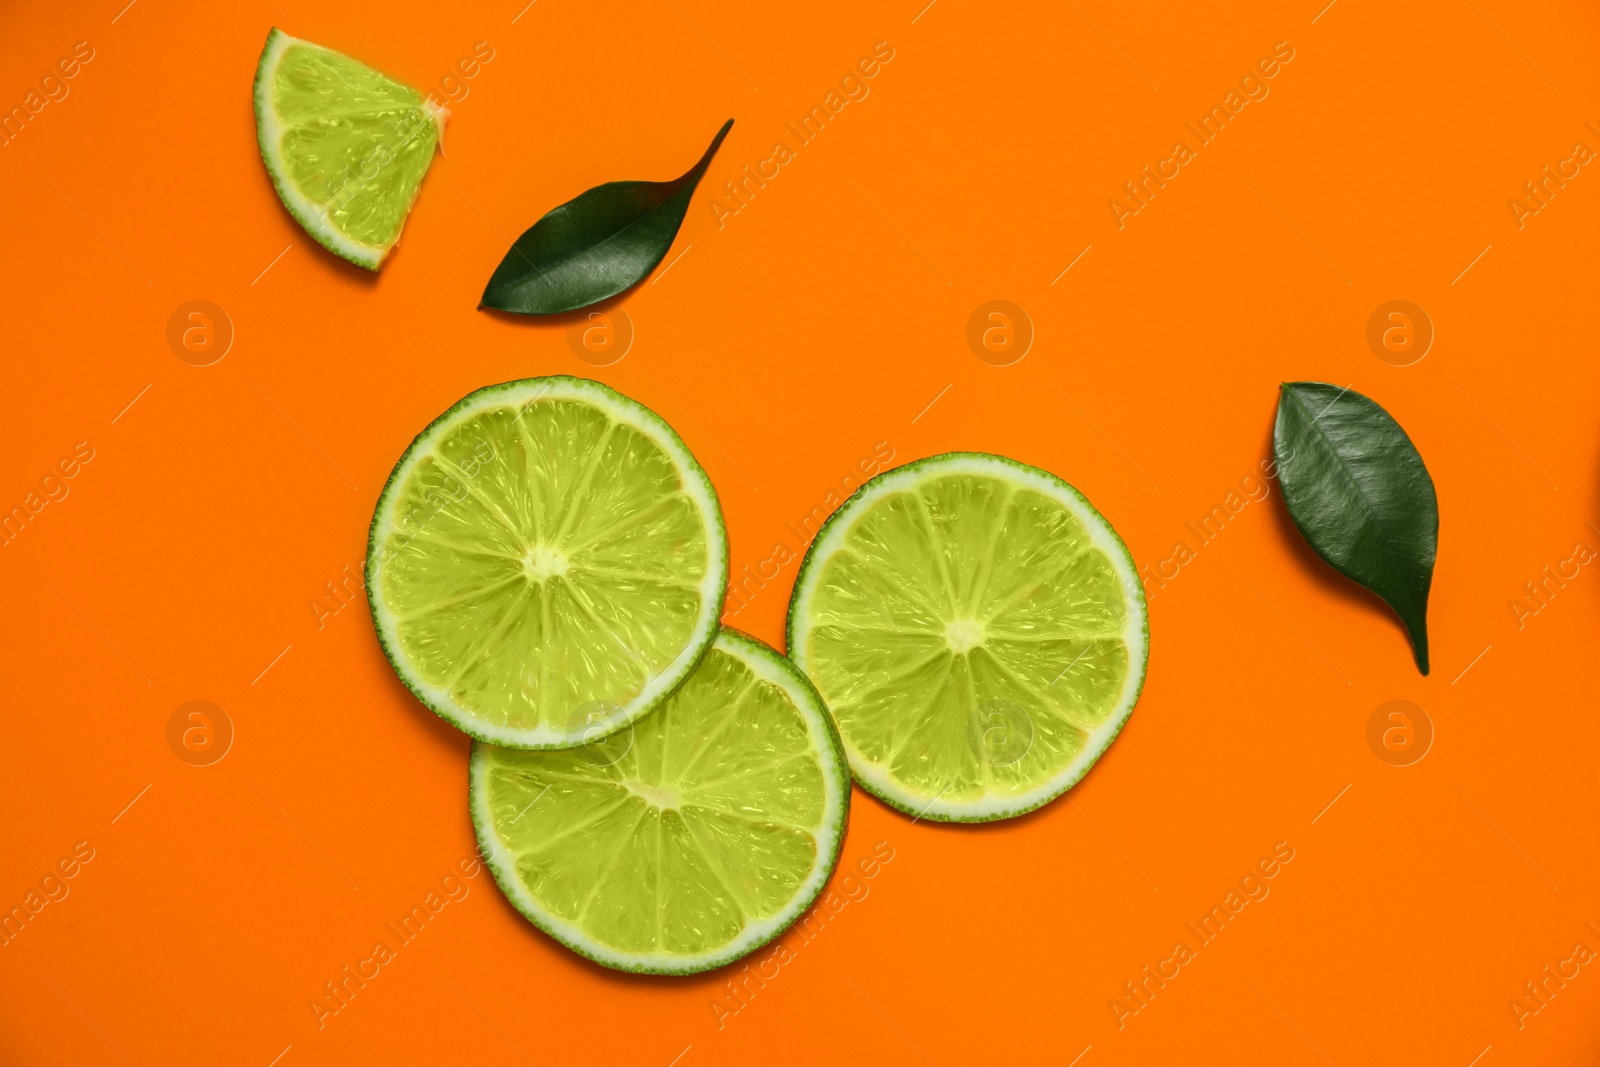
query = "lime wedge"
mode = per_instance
[
  {"x": 691, "y": 838},
  {"x": 346, "y": 146},
  {"x": 546, "y": 563},
  {"x": 978, "y": 631}
]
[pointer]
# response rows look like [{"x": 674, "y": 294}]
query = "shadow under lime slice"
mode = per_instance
[
  {"x": 346, "y": 146},
  {"x": 978, "y": 632},
  {"x": 546, "y": 563},
  {"x": 685, "y": 841}
]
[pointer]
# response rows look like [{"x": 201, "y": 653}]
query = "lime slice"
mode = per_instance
[
  {"x": 686, "y": 841},
  {"x": 547, "y": 563},
  {"x": 978, "y": 631},
  {"x": 346, "y": 146}
]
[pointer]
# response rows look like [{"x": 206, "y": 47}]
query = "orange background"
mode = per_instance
[{"x": 820, "y": 320}]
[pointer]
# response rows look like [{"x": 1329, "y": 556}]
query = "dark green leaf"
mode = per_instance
[
  {"x": 1361, "y": 496},
  {"x": 595, "y": 245}
]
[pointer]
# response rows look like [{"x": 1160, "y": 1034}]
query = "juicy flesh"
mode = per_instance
[
  {"x": 355, "y": 143},
  {"x": 545, "y": 565},
  {"x": 967, "y": 637},
  {"x": 672, "y": 835}
]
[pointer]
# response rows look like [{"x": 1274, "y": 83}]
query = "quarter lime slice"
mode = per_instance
[
  {"x": 686, "y": 841},
  {"x": 978, "y": 631},
  {"x": 346, "y": 146},
  {"x": 546, "y": 563}
]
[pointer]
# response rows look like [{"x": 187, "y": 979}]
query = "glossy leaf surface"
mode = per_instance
[
  {"x": 1361, "y": 496},
  {"x": 596, "y": 245}
]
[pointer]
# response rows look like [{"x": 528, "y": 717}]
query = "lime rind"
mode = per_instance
[
  {"x": 770, "y": 667},
  {"x": 875, "y": 778},
  {"x": 269, "y": 135},
  {"x": 712, "y": 587}
]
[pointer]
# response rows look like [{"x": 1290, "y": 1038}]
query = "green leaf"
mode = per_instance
[
  {"x": 595, "y": 245},
  {"x": 1361, "y": 496}
]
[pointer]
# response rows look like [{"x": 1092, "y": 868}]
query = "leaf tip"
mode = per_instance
[{"x": 716, "y": 142}]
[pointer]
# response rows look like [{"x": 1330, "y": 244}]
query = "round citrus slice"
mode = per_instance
[
  {"x": 546, "y": 563},
  {"x": 978, "y": 631},
  {"x": 689, "y": 839},
  {"x": 346, "y": 146}
]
